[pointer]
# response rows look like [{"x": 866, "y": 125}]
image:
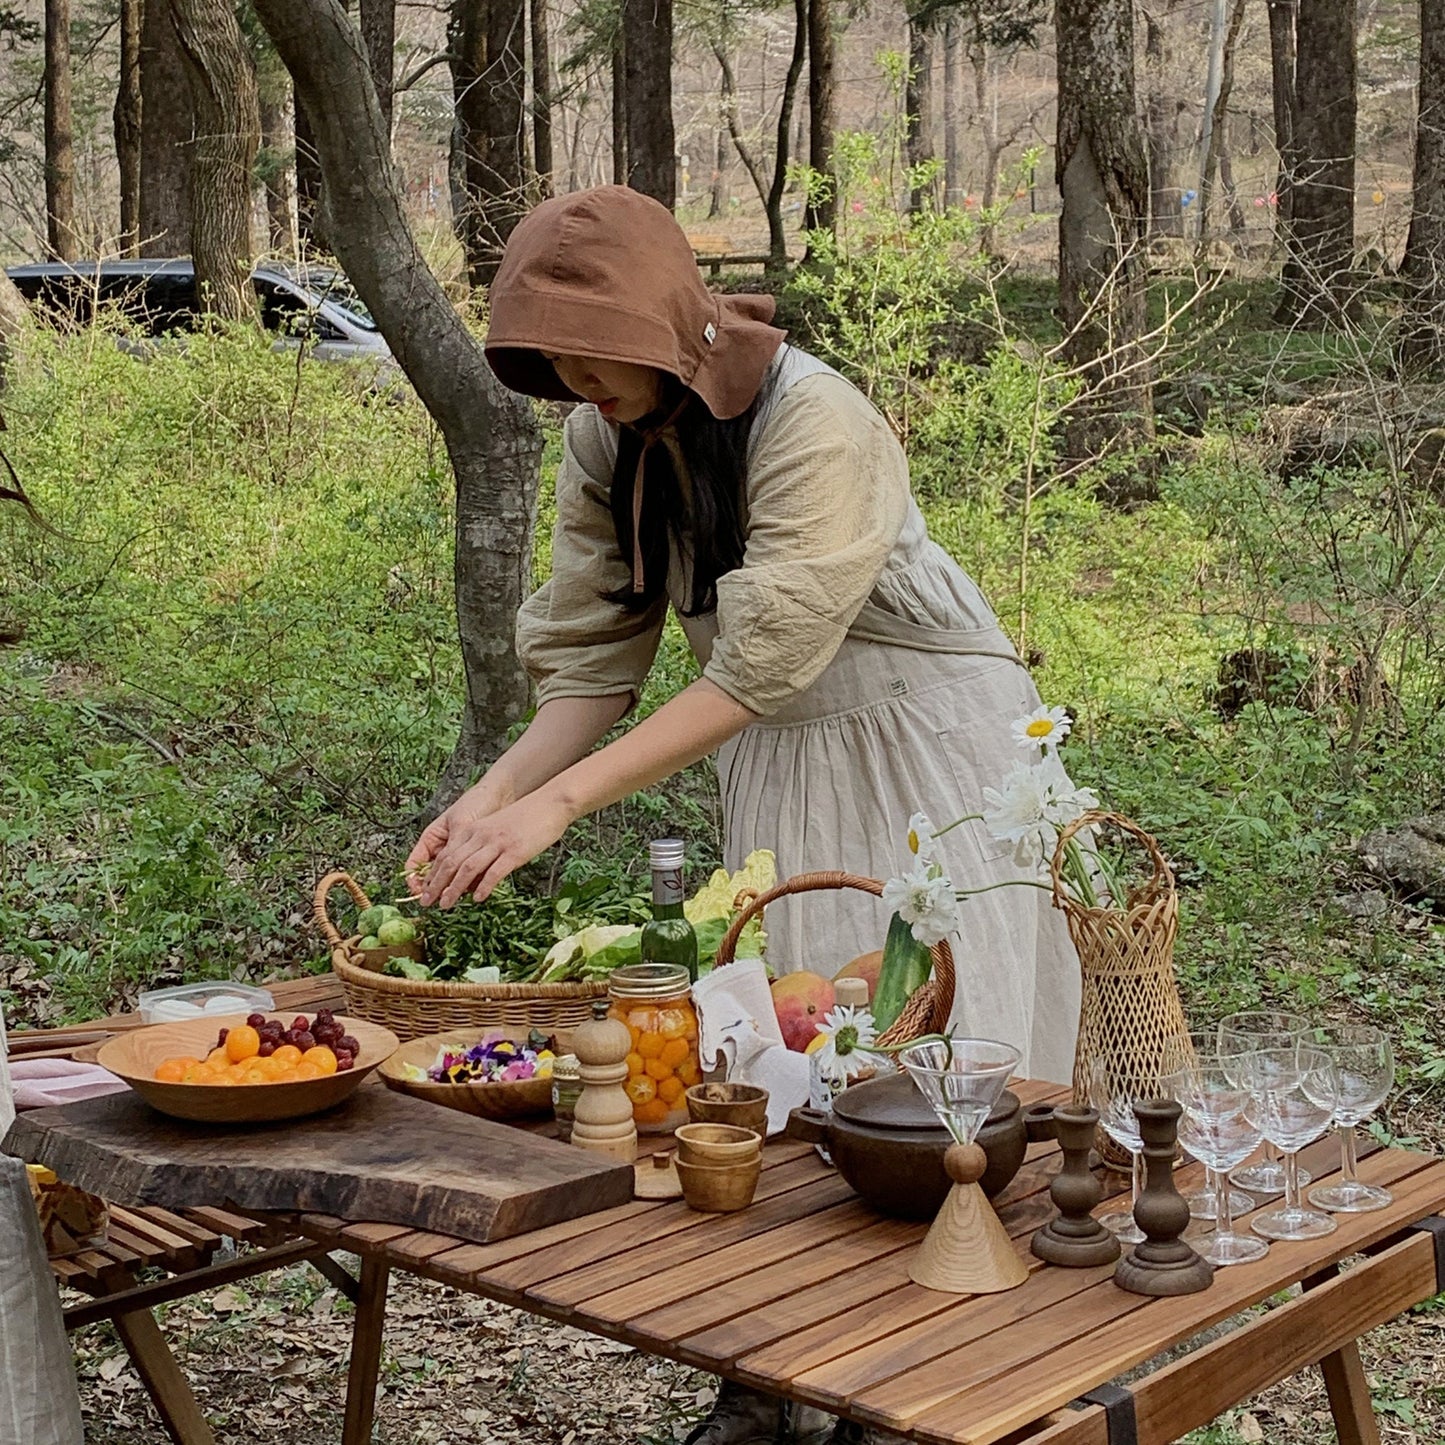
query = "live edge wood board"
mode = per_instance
[{"x": 381, "y": 1156}]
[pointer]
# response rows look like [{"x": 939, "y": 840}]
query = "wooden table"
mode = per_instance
[{"x": 806, "y": 1295}]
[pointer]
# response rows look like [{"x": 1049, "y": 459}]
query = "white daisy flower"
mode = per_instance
[
  {"x": 1032, "y": 805},
  {"x": 847, "y": 1031},
  {"x": 924, "y": 899},
  {"x": 1045, "y": 727},
  {"x": 920, "y": 830}
]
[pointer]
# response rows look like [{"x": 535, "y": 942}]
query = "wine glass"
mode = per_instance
[
  {"x": 1242, "y": 1033},
  {"x": 962, "y": 1078},
  {"x": 1180, "y": 1052},
  {"x": 1295, "y": 1093},
  {"x": 1219, "y": 1128},
  {"x": 1365, "y": 1065},
  {"x": 1117, "y": 1082}
]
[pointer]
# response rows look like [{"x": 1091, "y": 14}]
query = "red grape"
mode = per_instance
[
  {"x": 344, "y": 1061},
  {"x": 288, "y": 1036},
  {"x": 256, "y": 1020},
  {"x": 349, "y": 1045},
  {"x": 267, "y": 1048},
  {"x": 300, "y": 1024},
  {"x": 324, "y": 1016},
  {"x": 305, "y": 1040}
]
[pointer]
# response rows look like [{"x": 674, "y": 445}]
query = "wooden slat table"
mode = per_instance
[{"x": 806, "y": 1295}]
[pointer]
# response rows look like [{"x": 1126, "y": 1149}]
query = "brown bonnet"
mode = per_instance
[{"x": 608, "y": 274}]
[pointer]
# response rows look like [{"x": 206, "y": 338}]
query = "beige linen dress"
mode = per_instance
[{"x": 883, "y": 683}]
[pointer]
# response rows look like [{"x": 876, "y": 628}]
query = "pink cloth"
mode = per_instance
[{"x": 39, "y": 1083}]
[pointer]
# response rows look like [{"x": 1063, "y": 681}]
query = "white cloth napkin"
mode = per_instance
[
  {"x": 41, "y": 1083},
  {"x": 738, "y": 1032}
]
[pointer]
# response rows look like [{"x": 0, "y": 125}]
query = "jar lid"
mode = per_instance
[
  {"x": 649, "y": 980},
  {"x": 566, "y": 1066}
]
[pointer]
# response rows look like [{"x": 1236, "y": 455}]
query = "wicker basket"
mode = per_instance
[
  {"x": 413, "y": 1007},
  {"x": 927, "y": 1012},
  {"x": 1130, "y": 1001}
]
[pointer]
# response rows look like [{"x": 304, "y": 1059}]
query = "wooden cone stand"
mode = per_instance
[{"x": 966, "y": 1251}]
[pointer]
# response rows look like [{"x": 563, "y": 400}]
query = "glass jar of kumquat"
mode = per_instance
[{"x": 654, "y": 1001}]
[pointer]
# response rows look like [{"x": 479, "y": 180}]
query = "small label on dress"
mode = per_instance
[
  {"x": 709, "y": 333},
  {"x": 898, "y": 687}
]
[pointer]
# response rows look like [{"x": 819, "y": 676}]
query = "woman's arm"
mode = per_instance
[{"x": 693, "y": 724}]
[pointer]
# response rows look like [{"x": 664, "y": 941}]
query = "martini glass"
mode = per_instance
[{"x": 966, "y": 1250}]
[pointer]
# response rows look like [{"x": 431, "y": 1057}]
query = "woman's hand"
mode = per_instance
[
  {"x": 479, "y": 801},
  {"x": 480, "y": 848}
]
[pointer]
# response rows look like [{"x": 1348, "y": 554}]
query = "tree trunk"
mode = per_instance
[
  {"x": 1103, "y": 178},
  {"x": 1318, "y": 284},
  {"x": 492, "y": 74},
  {"x": 542, "y": 158},
  {"x": 718, "y": 205},
  {"x": 953, "y": 194},
  {"x": 1237, "y": 220},
  {"x": 777, "y": 236},
  {"x": 918, "y": 101},
  {"x": 1422, "y": 345},
  {"x": 1204, "y": 136},
  {"x": 59, "y": 135},
  {"x": 1217, "y": 118},
  {"x": 822, "y": 211},
  {"x": 16, "y": 323},
  {"x": 275, "y": 143},
  {"x": 378, "y": 30},
  {"x": 750, "y": 162},
  {"x": 309, "y": 236},
  {"x": 1161, "y": 125},
  {"x": 619, "y": 109},
  {"x": 126, "y": 119},
  {"x": 985, "y": 90},
  {"x": 1285, "y": 96},
  {"x": 228, "y": 132},
  {"x": 651, "y": 144},
  {"x": 167, "y": 134},
  {"x": 492, "y": 437}
]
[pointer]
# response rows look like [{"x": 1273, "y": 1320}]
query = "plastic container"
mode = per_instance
[
  {"x": 654, "y": 1000},
  {"x": 195, "y": 1000}
]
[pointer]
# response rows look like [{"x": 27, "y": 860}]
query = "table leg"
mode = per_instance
[
  {"x": 163, "y": 1379},
  {"x": 365, "y": 1352},
  {"x": 1347, "y": 1387}
]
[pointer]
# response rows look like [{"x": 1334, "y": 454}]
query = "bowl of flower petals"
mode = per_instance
[{"x": 491, "y": 1073}]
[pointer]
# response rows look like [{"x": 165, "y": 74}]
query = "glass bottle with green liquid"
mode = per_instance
[{"x": 668, "y": 937}]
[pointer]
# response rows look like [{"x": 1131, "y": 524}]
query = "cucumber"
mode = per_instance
[{"x": 905, "y": 969}]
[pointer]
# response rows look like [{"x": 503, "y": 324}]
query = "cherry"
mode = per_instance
[
  {"x": 267, "y": 1048},
  {"x": 300, "y": 1024},
  {"x": 256, "y": 1021},
  {"x": 347, "y": 1044},
  {"x": 305, "y": 1040},
  {"x": 344, "y": 1061}
]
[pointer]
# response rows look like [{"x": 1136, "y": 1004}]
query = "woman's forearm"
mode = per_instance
[
  {"x": 563, "y": 731},
  {"x": 690, "y": 726}
]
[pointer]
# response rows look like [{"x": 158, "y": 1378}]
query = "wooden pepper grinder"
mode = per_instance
[
  {"x": 1163, "y": 1264},
  {"x": 602, "y": 1119},
  {"x": 1075, "y": 1239}
]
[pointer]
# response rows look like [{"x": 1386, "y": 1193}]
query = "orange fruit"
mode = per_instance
[
  {"x": 305, "y": 1070},
  {"x": 674, "y": 1051},
  {"x": 218, "y": 1058},
  {"x": 198, "y": 1074},
  {"x": 650, "y": 1046},
  {"x": 289, "y": 1054},
  {"x": 644, "y": 1020},
  {"x": 636, "y": 1065},
  {"x": 690, "y": 1033},
  {"x": 653, "y": 1112},
  {"x": 672, "y": 1023},
  {"x": 689, "y": 1073},
  {"x": 640, "y": 1091},
  {"x": 172, "y": 1071},
  {"x": 287, "y": 1074},
  {"x": 670, "y": 1090},
  {"x": 659, "y": 1069},
  {"x": 242, "y": 1043},
  {"x": 322, "y": 1057},
  {"x": 220, "y": 1079}
]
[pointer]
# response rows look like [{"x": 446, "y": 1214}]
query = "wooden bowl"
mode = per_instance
[
  {"x": 745, "y": 1105},
  {"x": 134, "y": 1056},
  {"x": 718, "y": 1188},
  {"x": 516, "y": 1100},
  {"x": 376, "y": 959},
  {"x": 716, "y": 1144}
]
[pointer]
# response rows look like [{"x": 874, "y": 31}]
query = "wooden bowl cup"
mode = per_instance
[
  {"x": 515, "y": 1100},
  {"x": 720, "y": 1144},
  {"x": 134, "y": 1057},
  {"x": 744, "y": 1105},
  {"x": 718, "y": 1188}
]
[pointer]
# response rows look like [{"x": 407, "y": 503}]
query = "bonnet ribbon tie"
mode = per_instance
[{"x": 650, "y": 436}]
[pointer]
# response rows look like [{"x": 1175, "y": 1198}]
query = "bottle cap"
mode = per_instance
[
  {"x": 665, "y": 853},
  {"x": 851, "y": 992},
  {"x": 566, "y": 1066}
]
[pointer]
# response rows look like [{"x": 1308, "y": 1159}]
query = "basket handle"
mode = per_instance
[
  {"x": 318, "y": 903},
  {"x": 1162, "y": 880},
  {"x": 941, "y": 996}
]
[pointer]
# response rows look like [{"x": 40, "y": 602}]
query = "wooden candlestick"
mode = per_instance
[
  {"x": 1075, "y": 1239},
  {"x": 602, "y": 1119},
  {"x": 966, "y": 1250},
  {"x": 1163, "y": 1264}
]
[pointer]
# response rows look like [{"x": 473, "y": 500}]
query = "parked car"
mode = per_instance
[{"x": 161, "y": 297}]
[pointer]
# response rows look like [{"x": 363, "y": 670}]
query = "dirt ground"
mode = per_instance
[{"x": 268, "y": 1363}]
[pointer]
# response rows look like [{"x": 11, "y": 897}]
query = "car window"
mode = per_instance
[{"x": 293, "y": 315}]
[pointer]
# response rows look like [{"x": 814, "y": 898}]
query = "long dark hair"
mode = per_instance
[{"x": 703, "y": 516}]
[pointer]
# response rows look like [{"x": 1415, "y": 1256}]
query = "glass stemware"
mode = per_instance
[
  {"x": 1241, "y": 1033},
  {"x": 1116, "y": 1083},
  {"x": 1294, "y": 1096},
  {"x": 1179, "y": 1052},
  {"x": 1218, "y": 1127},
  {"x": 1365, "y": 1067},
  {"x": 962, "y": 1078}
]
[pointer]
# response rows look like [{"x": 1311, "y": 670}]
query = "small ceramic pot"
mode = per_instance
[
  {"x": 716, "y": 1144},
  {"x": 887, "y": 1142},
  {"x": 718, "y": 1188},
  {"x": 745, "y": 1105}
]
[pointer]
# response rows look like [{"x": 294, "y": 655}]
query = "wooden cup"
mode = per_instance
[
  {"x": 718, "y": 1188},
  {"x": 743, "y": 1105},
  {"x": 717, "y": 1144}
]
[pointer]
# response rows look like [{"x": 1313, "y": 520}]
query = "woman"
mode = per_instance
[{"x": 850, "y": 671}]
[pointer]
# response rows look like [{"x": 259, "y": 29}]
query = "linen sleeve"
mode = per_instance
[
  {"x": 828, "y": 495},
  {"x": 570, "y": 638}
]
